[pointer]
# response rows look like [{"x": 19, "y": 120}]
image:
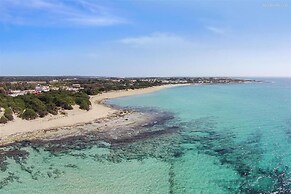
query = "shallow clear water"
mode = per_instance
[{"x": 222, "y": 139}]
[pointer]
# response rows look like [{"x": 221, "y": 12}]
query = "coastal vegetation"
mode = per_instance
[
  {"x": 93, "y": 87},
  {"x": 31, "y": 106}
]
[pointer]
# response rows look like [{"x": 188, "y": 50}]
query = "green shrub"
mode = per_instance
[
  {"x": 66, "y": 105},
  {"x": 84, "y": 105},
  {"x": 18, "y": 106},
  {"x": 52, "y": 108},
  {"x": 29, "y": 114},
  {"x": 3, "y": 120},
  {"x": 60, "y": 102},
  {"x": 37, "y": 105},
  {"x": 48, "y": 102},
  {"x": 46, "y": 97},
  {"x": 83, "y": 101},
  {"x": 8, "y": 114},
  {"x": 42, "y": 113}
]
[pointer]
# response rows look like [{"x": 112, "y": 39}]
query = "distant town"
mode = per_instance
[{"x": 22, "y": 85}]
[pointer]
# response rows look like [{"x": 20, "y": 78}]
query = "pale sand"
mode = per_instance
[{"x": 75, "y": 116}]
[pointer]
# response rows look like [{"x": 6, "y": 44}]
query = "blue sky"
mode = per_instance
[{"x": 145, "y": 37}]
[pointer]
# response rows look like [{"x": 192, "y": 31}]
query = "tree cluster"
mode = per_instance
[
  {"x": 93, "y": 87},
  {"x": 32, "y": 106}
]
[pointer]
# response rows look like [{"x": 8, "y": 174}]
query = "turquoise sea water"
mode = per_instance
[{"x": 232, "y": 138}]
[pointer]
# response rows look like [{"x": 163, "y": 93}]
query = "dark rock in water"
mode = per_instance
[
  {"x": 224, "y": 151},
  {"x": 71, "y": 166},
  {"x": 11, "y": 178},
  {"x": 243, "y": 169},
  {"x": 25, "y": 143},
  {"x": 26, "y": 169},
  {"x": 55, "y": 149},
  {"x": 288, "y": 133},
  {"x": 17, "y": 154},
  {"x": 49, "y": 174},
  {"x": 144, "y": 135},
  {"x": 178, "y": 154}
]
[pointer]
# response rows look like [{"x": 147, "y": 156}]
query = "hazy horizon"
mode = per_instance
[
  {"x": 145, "y": 38},
  {"x": 174, "y": 76}
]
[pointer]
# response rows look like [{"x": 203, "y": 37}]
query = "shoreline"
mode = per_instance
[{"x": 20, "y": 129}]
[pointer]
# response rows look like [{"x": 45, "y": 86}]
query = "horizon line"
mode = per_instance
[{"x": 178, "y": 76}]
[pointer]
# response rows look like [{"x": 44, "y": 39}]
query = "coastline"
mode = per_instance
[{"x": 20, "y": 129}]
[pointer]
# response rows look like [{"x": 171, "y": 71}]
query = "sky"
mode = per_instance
[{"x": 146, "y": 37}]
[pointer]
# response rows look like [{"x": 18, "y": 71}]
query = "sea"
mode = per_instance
[{"x": 222, "y": 138}]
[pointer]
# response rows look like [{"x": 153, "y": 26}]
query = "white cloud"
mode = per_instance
[
  {"x": 155, "y": 39},
  {"x": 216, "y": 30},
  {"x": 56, "y": 12}
]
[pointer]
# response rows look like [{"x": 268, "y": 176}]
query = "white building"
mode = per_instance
[
  {"x": 15, "y": 93},
  {"x": 40, "y": 88}
]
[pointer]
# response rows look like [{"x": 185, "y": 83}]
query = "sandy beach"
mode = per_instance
[{"x": 73, "y": 117}]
